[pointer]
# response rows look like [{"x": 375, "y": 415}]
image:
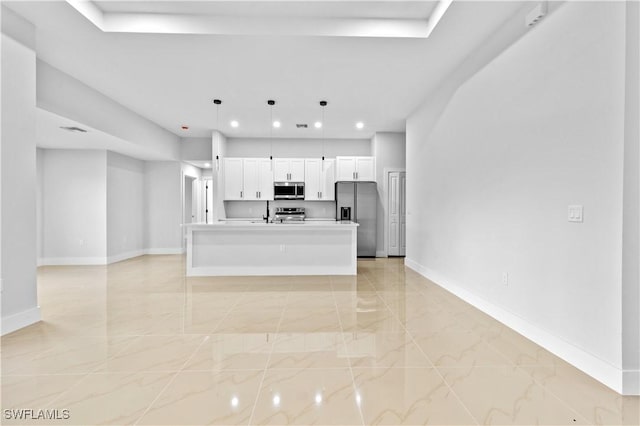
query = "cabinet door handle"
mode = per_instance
[
  {"x": 240, "y": 194},
  {"x": 259, "y": 194},
  {"x": 320, "y": 194}
]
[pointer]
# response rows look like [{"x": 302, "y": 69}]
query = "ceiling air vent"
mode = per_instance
[
  {"x": 73, "y": 129},
  {"x": 536, "y": 14},
  {"x": 301, "y": 126}
]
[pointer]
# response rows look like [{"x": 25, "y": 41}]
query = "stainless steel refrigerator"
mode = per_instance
[{"x": 359, "y": 201}]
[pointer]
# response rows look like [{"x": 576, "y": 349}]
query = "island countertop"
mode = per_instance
[{"x": 257, "y": 224}]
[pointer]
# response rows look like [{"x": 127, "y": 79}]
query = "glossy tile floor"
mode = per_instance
[{"x": 138, "y": 343}]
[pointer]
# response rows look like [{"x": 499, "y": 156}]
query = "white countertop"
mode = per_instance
[{"x": 307, "y": 224}]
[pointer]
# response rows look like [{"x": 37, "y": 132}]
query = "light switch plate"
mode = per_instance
[{"x": 575, "y": 213}]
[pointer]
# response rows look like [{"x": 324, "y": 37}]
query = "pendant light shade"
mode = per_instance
[
  {"x": 271, "y": 103},
  {"x": 217, "y": 103},
  {"x": 322, "y": 105}
]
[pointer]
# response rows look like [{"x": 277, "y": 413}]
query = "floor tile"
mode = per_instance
[
  {"x": 35, "y": 391},
  {"x": 305, "y": 397},
  {"x": 251, "y": 321},
  {"x": 137, "y": 340},
  {"x": 507, "y": 395},
  {"x": 112, "y": 398},
  {"x": 211, "y": 398},
  {"x": 594, "y": 401},
  {"x": 309, "y": 350},
  {"x": 154, "y": 353},
  {"x": 384, "y": 350},
  {"x": 408, "y": 396},
  {"x": 247, "y": 351},
  {"x": 459, "y": 349}
]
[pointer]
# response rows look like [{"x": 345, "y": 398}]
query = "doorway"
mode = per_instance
[{"x": 397, "y": 216}]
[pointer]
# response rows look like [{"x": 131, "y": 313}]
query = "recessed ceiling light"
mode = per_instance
[
  {"x": 317, "y": 124},
  {"x": 359, "y": 125},
  {"x": 207, "y": 164},
  {"x": 276, "y": 124},
  {"x": 234, "y": 123}
]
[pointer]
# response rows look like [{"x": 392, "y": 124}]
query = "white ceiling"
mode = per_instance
[{"x": 171, "y": 79}]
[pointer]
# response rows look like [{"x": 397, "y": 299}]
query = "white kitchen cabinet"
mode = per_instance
[
  {"x": 355, "y": 169},
  {"x": 319, "y": 181},
  {"x": 248, "y": 179},
  {"x": 265, "y": 174},
  {"x": 288, "y": 170},
  {"x": 257, "y": 179},
  {"x": 233, "y": 179}
]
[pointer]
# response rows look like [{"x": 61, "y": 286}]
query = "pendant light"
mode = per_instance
[
  {"x": 271, "y": 103},
  {"x": 322, "y": 105},
  {"x": 217, "y": 102}
]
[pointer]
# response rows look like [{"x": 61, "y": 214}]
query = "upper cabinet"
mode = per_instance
[
  {"x": 355, "y": 169},
  {"x": 248, "y": 179},
  {"x": 288, "y": 170},
  {"x": 319, "y": 179},
  {"x": 257, "y": 179},
  {"x": 233, "y": 179}
]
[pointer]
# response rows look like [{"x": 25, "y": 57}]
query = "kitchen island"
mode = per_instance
[{"x": 258, "y": 248}]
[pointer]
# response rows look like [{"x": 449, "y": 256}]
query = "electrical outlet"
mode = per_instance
[
  {"x": 505, "y": 279},
  {"x": 81, "y": 241},
  {"x": 575, "y": 213},
  {"x": 283, "y": 248}
]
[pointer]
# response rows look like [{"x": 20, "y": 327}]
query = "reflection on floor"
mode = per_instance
[{"x": 138, "y": 342}]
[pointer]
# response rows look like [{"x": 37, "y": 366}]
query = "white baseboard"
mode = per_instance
[
  {"x": 595, "y": 367},
  {"x": 20, "y": 320},
  {"x": 178, "y": 250},
  {"x": 631, "y": 382},
  {"x": 54, "y": 261},
  {"x": 124, "y": 256},
  {"x": 381, "y": 253}
]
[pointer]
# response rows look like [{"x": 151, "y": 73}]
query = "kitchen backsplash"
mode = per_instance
[{"x": 256, "y": 209}]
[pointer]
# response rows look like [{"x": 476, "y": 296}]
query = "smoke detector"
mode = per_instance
[
  {"x": 73, "y": 129},
  {"x": 536, "y": 14}
]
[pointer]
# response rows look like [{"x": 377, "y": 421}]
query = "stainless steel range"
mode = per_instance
[{"x": 289, "y": 215}]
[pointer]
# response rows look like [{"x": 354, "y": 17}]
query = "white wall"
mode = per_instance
[
  {"x": 74, "y": 207},
  {"x": 195, "y": 149},
  {"x": 389, "y": 149},
  {"x": 631, "y": 207},
  {"x": 18, "y": 186},
  {"x": 125, "y": 207},
  {"x": 162, "y": 193},
  {"x": 39, "y": 204},
  {"x": 490, "y": 178},
  {"x": 296, "y": 148},
  {"x": 219, "y": 148}
]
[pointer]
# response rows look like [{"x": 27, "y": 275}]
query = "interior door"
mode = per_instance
[
  {"x": 403, "y": 214},
  {"x": 397, "y": 214}
]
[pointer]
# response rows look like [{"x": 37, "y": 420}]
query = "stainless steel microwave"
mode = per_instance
[{"x": 288, "y": 191}]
